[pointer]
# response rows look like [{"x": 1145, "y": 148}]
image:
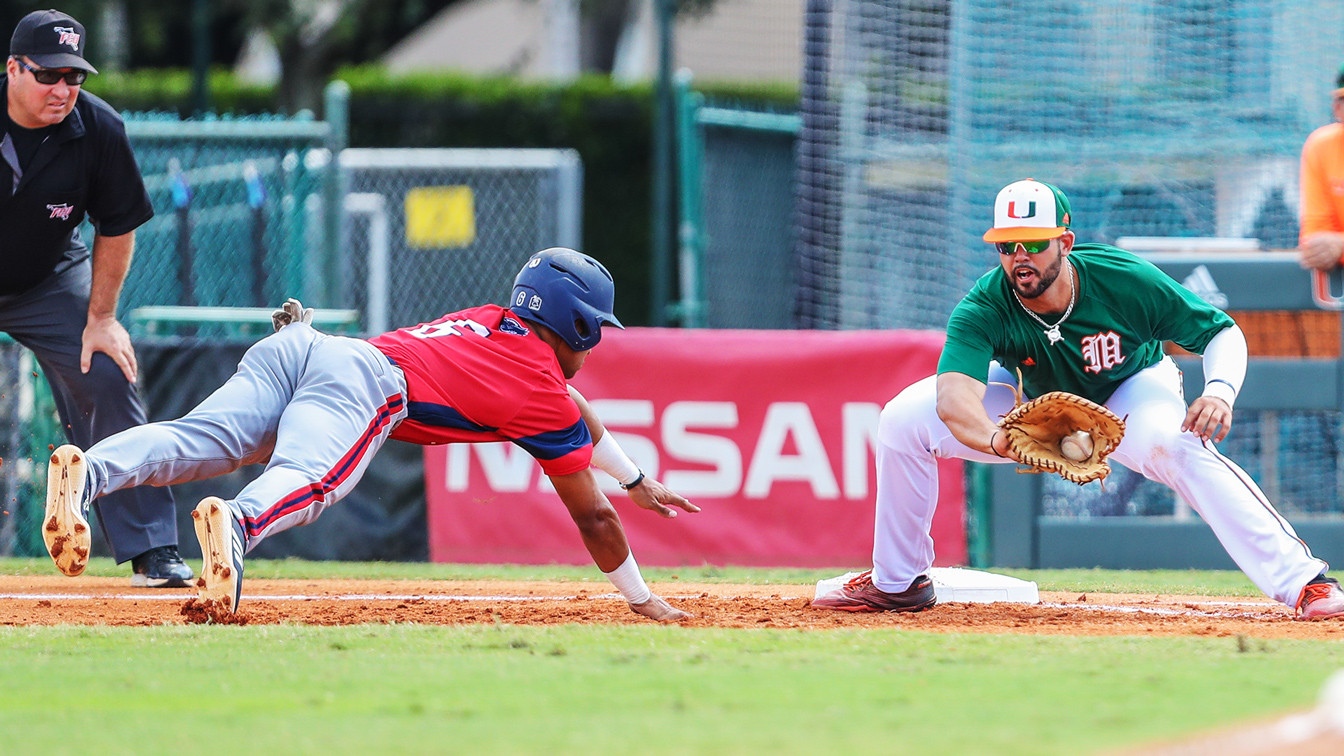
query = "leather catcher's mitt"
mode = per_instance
[{"x": 1035, "y": 428}]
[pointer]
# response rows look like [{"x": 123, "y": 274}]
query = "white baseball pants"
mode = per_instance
[
  {"x": 911, "y": 437},
  {"x": 314, "y": 407}
]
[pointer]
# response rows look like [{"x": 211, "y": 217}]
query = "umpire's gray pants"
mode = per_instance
[{"x": 49, "y": 319}]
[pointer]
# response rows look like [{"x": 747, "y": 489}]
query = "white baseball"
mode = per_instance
[{"x": 1076, "y": 446}]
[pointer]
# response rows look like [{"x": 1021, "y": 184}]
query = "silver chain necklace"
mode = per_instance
[{"x": 1052, "y": 331}]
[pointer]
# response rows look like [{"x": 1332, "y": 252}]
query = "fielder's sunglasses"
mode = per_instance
[
  {"x": 1032, "y": 247},
  {"x": 49, "y": 76}
]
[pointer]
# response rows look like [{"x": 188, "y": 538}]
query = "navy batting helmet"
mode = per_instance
[{"x": 569, "y": 293}]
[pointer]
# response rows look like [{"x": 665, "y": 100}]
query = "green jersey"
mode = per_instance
[{"x": 1125, "y": 308}]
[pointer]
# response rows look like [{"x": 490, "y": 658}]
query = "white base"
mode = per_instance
[{"x": 958, "y": 585}]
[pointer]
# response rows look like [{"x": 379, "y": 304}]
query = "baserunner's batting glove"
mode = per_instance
[{"x": 292, "y": 311}]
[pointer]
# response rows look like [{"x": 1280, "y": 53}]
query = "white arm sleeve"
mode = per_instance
[
  {"x": 1225, "y": 364},
  {"x": 611, "y": 459}
]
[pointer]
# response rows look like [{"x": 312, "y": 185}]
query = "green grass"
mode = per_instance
[{"x": 375, "y": 689}]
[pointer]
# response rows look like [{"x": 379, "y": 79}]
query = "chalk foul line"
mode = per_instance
[{"x": 1226, "y": 610}]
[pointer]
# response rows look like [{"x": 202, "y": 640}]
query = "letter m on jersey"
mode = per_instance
[{"x": 1101, "y": 352}]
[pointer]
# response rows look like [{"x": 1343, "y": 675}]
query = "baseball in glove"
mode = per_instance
[{"x": 1036, "y": 428}]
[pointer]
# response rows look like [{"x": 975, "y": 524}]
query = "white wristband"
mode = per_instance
[
  {"x": 1220, "y": 389},
  {"x": 629, "y": 582},
  {"x": 610, "y": 459}
]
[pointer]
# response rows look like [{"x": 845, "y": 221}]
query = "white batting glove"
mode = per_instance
[{"x": 292, "y": 311}]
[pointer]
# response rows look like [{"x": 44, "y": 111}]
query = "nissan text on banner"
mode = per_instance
[{"x": 770, "y": 432}]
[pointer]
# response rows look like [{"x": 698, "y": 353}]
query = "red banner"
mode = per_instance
[{"x": 770, "y": 432}]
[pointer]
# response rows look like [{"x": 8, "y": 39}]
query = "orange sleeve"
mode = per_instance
[{"x": 1322, "y": 209}]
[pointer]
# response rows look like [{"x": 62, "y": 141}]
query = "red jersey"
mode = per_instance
[{"x": 481, "y": 374}]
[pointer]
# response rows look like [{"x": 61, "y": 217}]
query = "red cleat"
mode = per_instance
[
  {"x": 1321, "y": 599},
  {"x": 860, "y": 595}
]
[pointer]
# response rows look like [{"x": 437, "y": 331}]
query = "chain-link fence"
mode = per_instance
[
  {"x": 229, "y": 195},
  {"x": 244, "y": 218},
  {"x": 1158, "y": 118},
  {"x": 735, "y": 171},
  {"x": 430, "y": 231},
  {"x": 28, "y": 420},
  {"x": 1292, "y": 455},
  {"x": 229, "y": 228}
]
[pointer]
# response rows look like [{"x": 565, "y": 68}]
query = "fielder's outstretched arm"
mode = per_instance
[
  {"x": 604, "y": 537},
  {"x": 961, "y": 407}
]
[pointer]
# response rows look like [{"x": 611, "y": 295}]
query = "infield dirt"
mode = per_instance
[{"x": 51, "y": 600}]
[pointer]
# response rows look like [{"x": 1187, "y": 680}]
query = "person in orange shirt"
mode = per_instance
[{"x": 1321, "y": 239}]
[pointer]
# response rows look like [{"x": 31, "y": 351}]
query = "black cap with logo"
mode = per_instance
[{"x": 50, "y": 39}]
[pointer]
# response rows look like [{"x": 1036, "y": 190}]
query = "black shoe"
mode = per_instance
[{"x": 160, "y": 568}]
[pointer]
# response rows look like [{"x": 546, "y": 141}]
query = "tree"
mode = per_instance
[
  {"x": 314, "y": 37},
  {"x": 605, "y": 20}
]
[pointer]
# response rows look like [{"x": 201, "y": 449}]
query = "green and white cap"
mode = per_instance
[{"x": 1029, "y": 210}]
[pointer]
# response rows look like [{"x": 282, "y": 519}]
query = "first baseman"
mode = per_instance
[
  {"x": 315, "y": 408},
  {"x": 1089, "y": 319}
]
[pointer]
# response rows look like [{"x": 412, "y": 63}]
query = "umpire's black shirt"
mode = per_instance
[{"x": 83, "y": 166}]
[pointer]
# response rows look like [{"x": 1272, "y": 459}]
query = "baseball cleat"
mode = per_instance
[
  {"x": 861, "y": 595},
  {"x": 65, "y": 525},
  {"x": 221, "y": 537},
  {"x": 1321, "y": 599}
]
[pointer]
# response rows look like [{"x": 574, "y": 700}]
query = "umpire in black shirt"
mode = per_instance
[{"x": 66, "y": 156}]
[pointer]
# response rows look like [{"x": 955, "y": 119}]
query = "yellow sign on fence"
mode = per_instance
[{"x": 440, "y": 216}]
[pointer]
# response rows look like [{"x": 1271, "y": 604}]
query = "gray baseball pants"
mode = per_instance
[{"x": 315, "y": 408}]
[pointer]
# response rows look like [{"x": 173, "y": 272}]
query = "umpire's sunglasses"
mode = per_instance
[
  {"x": 49, "y": 76},
  {"x": 1032, "y": 247}
]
